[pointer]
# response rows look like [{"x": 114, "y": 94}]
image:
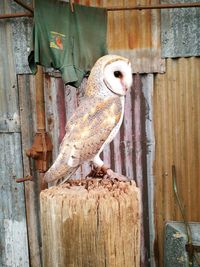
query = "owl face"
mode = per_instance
[
  {"x": 118, "y": 76},
  {"x": 110, "y": 75}
]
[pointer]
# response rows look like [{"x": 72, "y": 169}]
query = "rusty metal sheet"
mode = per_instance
[
  {"x": 180, "y": 35},
  {"x": 134, "y": 34},
  {"x": 177, "y": 134}
]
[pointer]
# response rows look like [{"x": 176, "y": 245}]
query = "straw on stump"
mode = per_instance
[{"x": 91, "y": 223}]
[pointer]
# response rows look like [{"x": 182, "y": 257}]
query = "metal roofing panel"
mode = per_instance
[
  {"x": 134, "y": 33},
  {"x": 177, "y": 136},
  {"x": 180, "y": 34}
]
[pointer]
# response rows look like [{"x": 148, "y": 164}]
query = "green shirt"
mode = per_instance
[{"x": 68, "y": 41}]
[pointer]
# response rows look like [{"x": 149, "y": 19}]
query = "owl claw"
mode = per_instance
[
  {"x": 110, "y": 174},
  {"x": 95, "y": 172},
  {"x": 116, "y": 176},
  {"x": 106, "y": 173}
]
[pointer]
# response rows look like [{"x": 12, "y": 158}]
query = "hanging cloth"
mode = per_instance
[{"x": 68, "y": 41}]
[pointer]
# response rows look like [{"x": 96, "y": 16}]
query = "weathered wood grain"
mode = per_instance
[
  {"x": 26, "y": 85},
  {"x": 13, "y": 231},
  {"x": 94, "y": 223}
]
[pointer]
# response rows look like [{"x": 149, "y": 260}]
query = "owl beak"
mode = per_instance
[
  {"x": 125, "y": 89},
  {"x": 125, "y": 86}
]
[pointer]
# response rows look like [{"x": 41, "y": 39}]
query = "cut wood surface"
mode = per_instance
[{"x": 91, "y": 223}]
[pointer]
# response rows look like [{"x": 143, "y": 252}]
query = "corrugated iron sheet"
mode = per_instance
[
  {"x": 177, "y": 135},
  {"x": 134, "y": 33},
  {"x": 13, "y": 231},
  {"x": 180, "y": 35}
]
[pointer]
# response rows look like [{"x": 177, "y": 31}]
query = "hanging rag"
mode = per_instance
[{"x": 70, "y": 42}]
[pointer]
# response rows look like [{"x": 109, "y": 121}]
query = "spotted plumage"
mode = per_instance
[{"x": 98, "y": 118}]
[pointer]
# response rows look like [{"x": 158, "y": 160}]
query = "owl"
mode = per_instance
[{"x": 97, "y": 120}]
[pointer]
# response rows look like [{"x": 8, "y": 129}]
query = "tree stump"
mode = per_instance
[{"x": 91, "y": 223}]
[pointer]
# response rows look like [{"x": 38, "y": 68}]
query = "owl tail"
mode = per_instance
[{"x": 59, "y": 171}]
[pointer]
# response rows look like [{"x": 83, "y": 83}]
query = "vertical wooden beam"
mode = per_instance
[{"x": 26, "y": 86}]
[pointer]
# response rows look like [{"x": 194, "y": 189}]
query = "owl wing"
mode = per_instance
[{"x": 89, "y": 128}]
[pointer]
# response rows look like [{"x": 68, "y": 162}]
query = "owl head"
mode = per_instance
[{"x": 111, "y": 74}]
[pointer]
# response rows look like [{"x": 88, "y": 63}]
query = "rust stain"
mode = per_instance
[
  {"x": 134, "y": 34},
  {"x": 131, "y": 28}
]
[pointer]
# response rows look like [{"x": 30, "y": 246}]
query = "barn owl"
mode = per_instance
[{"x": 97, "y": 119}]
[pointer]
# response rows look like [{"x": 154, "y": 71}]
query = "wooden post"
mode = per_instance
[{"x": 91, "y": 223}]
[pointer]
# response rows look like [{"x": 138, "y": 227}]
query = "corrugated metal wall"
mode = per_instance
[
  {"x": 134, "y": 34},
  {"x": 177, "y": 134},
  {"x": 168, "y": 102}
]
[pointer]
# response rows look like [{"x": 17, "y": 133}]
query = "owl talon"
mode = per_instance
[
  {"x": 95, "y": 172},
  {"x": 110, "y": 174}
]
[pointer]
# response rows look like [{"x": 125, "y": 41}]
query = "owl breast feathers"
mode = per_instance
[{"x": 98, "y": 118}]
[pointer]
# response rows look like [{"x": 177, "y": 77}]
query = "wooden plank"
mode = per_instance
[
  {"x": 13, "y": 233},
  {"x": 128, "y": 138},
  {"x": 147, "y": 89},
  {"x": 26, "y": 102},
  {"x": 98, "y": 226}
]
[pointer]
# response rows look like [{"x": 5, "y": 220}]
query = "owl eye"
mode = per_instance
[{"x": 117, "y": 74}]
